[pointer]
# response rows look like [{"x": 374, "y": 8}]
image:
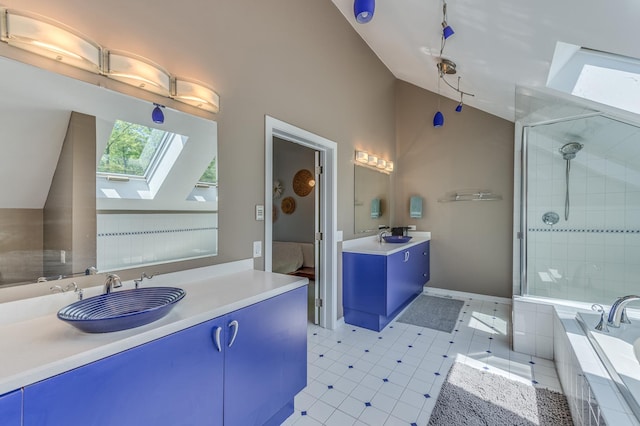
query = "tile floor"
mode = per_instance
[{"x": 361, "y": 377}]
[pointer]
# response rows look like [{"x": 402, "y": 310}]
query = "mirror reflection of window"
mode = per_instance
[
  {"x": 132, "y": 149},
  {"x": 210, "y": 176}
]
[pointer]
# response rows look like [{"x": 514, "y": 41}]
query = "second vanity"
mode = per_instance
[
  {"x": 380, "y": 279},
  {"x": 171, "y": 371}
]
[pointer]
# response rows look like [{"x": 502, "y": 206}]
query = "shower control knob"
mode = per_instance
[{"x": 550, "y": 218}]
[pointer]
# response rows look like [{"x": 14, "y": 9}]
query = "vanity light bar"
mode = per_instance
[
  {"x": 362, "y": 157},
  {"x": 196, "y": 94},
  {"x": 51, "y": 39},
  {"x": 138, "y": 71},
  {"x": 374, "y": 161}
]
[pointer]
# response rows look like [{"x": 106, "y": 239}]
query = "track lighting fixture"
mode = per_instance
[{"x": 446, "y": 67}]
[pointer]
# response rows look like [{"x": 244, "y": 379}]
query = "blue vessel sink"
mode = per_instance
[
  {"x": 121, "y": 310},
  {"x": 397, "y": 239}
]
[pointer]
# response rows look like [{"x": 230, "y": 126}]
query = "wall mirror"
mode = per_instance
[
  {"x": 88, "y": 179},
  {"x": 372, "y": 197}
]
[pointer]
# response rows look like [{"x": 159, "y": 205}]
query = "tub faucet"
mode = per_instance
[
  {"x": 617, "y": 314},
  {"x": 113, "y": 281}
]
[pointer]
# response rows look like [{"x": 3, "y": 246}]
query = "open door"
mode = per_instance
[{"x": 318, "y": 239}]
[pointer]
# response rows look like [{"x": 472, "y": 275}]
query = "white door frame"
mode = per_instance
[{"x": 328, "y": 269}]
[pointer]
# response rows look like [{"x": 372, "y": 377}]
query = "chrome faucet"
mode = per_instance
[
  {"x": 617, "y": 314},
  {"x": 139, "y": 280},
  {"x": 382, "y": 234},
  {"x": 113, "y": 281}
]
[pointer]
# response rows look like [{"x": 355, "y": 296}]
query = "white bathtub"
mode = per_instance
[{"x": 619, "y": 350}]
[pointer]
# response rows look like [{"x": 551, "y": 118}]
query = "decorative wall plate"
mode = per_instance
[
  {"x": 288, "y": 205},
  {"x": 277, "y": 189},
  {"x": 303, "y": 182}
]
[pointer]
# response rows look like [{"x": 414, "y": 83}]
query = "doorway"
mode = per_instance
[
  {"x": 295, "y": 221},
  {"x": 325, "y": 210}
]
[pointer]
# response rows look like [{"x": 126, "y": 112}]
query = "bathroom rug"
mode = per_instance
[
  {"x": 437, "y": 313},
  {"x": 476, "y": 397}
]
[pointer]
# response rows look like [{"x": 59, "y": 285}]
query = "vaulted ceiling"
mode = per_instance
[{"x": 497, "y": 44}]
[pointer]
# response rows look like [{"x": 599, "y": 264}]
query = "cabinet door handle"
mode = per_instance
[
  {"x": 424, "y": 275},
  {"x": 406, "y": 256},
  {"x": 235, "y": 326},
  {"x": 216, "y": 337},
  {"x": 424, "y": 253}
]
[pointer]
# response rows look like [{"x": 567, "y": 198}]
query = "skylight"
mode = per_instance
[{"x": 602, "y": 77}]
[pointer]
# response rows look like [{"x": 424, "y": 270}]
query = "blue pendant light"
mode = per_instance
[
  {"x": 459, "y": 107},
  {"x": 363, "y": 10},
  {"x": 447, "y": 31},
  {"x": 157, "y": 115},
  {"x": 438, "y": 119}
]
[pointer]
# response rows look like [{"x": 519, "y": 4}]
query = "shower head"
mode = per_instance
[{"x": 569, "y": 150}]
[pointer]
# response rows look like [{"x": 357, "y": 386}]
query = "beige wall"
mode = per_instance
[
  {"x": 298, "y": 61},
  {"x": 70, "y": 209},
  {"x": 471, "y": 241},
  {"x": 20, "y": 245}
]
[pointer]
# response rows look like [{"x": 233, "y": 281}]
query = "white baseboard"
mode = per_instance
[{"x": 432, "y": 291}]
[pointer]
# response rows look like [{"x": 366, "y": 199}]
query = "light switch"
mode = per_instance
[{"x": 259, "y": 212}]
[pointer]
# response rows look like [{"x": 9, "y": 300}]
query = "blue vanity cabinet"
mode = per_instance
[
  {"x": 186, "y": 379},
  {"x": 424, "y": 270},
  {"x": 266, "y": 366},
  {"x": 376, "y": 287},
  {"x": 175, "y": 380},
  {"x": 11, "y": 408}
]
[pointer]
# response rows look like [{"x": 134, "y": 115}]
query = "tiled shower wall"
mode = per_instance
[
  {"x": 128, "y": 240},
  {"x": 594, "y": 256}
]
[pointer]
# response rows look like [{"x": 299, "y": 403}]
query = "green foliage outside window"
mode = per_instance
[
  {"x": 209, "y": 175},
  {"x": 130, "y": 149}
]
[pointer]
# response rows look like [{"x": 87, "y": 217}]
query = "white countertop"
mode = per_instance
[
  {"x": 37, "y": 347},
  {"x": 370, "y": 245}
]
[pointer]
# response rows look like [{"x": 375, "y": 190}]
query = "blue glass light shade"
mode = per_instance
[
  {"x": 363, "y": 10},
  {"x": 459, "y": 107},
  {"x": 438, "y": 119},
  {"x": 157, "y": 115},
  {"x": 447, "y": 32}
]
